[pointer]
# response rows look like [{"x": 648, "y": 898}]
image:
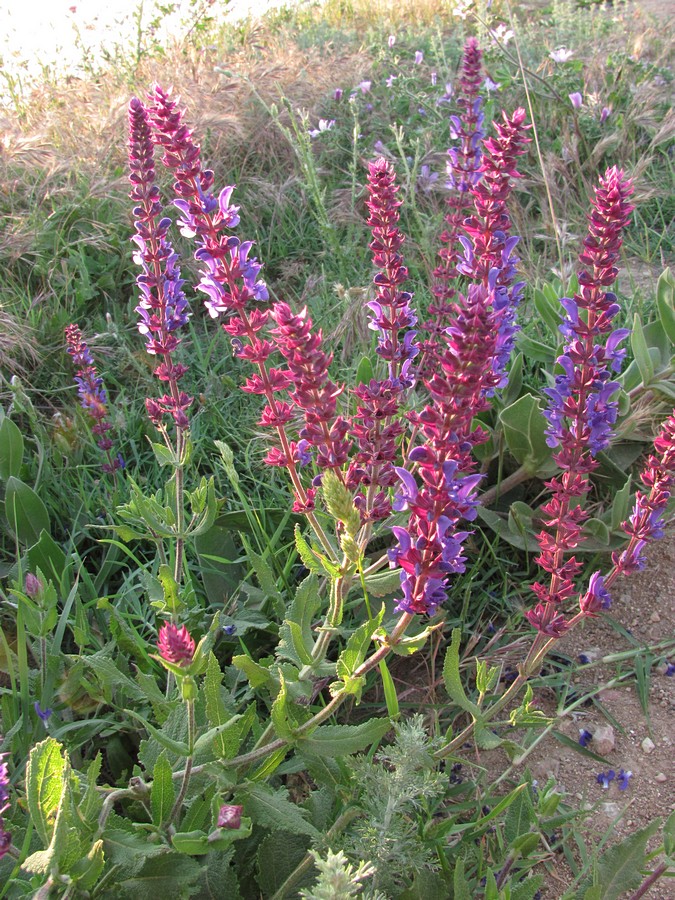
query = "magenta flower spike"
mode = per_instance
[
  {"x": 175, "y": 644},
  {"x": 392, "y": 312},
  {"x": 93, "y": 398},
  {"x": 581, "y": 412},
  {"x": 163, "y": 309}
]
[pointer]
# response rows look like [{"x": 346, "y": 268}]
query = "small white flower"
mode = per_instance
[
  {"x": 501, "y": 33},
  {"x": 561, "y": 55},
  {"x": 324, "y": 125},
  {"x": 462, "y": 8}
]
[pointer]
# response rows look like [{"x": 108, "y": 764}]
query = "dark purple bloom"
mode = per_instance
[
  {"x": 43, "y": 714},
  {"x": 623, "y": 778},
  {"x": 604, "y": 778},
  {"x": 230, "y": 629},
  {"x": 229, "y": 816},
  {"x": 670, "y": 670},
  {"x": 585, "y": 737}
]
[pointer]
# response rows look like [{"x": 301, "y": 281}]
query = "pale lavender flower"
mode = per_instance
[
  {"x": 390, "y": 81},
  {"x": 502, "y": 33},
  {"x": 561, "y": 55},
  {"x": 576, "y": 99},
  {"x": 324, "y": 125},
  {"x": 434, "y": 79},
  {"x": 391, "y": 41},
  {"x": 419, "y": 56},
  {"x": 490, "y": 85},
  {"x": 605, "y": 114},
  {"x": 5, "y": 836},
  {"x": 364, "y": 86}
]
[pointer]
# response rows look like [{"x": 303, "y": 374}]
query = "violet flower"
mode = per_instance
[
  {"x": 32, "y": 585},
  {"x": 623, "y": 778},
  {"x": 585, "y": 737},
  {"x": 576, "y": 100},
  {"x": 604, "y": 778},
  {"x": 419, "y": 56},
  {"x": 42, "y": 714},
  {"x": 93, "y": 398},
  {"x": 5, "y": 836}
]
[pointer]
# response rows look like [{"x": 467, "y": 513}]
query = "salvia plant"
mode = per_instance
[{"x": 247, "y": 780}]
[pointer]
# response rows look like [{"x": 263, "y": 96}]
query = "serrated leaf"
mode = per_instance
[
  {"x": 342, "y": 740},
  {"x": 225, "y": 745},
  {"x": 111, "y": 678},
  {"x": 462, "y": 888},
  {"x": 44, "y": 785},
  {"x": 527, "y": 889},
  {"x": 296, "y": 638},
  {"x": 257, "y": 675},
  {"x": 264, "y": 574},
  {"x": 219, "y": 878},
  {"x": 279, "y": 854},
  {"x": 166, "y": 875},
  {"x": 285, "y": 723},
  {"x": 381, "y": 584},
  {"x": 180, "y": 748},
  {"x": 26, "y": 513},
  {"x": 309, "y": 559},
  {"x": 619, "y": 869},
  {"x": 89, "y": 870},
  {"x": 272, "y": 809},
  {"x": 11, "y": 449},
  {"x": 162, "y": 793},
  {"x": 519, "y": 819}
]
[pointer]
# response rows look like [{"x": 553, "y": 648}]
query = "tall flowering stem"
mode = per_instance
[
  {"x": 489, "y": 257},
  {"x": 93, "y": 397},
  {"x": 229, "y": 277},
  {"x": 581, "y": 412},
  {"x": 466, "y": 129}
]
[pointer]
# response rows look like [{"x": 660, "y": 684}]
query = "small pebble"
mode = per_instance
[
  {"x": 604, "y": 740},
  {"x": 655, "y": 617},
  {"x": 660, "y": 778},
  {"x": 648, "y": 745}
]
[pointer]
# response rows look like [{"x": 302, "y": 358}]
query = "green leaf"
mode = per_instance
[
  {"x": 389, "y": 688},
  {"x": 515, "y": 384},
  {"x": 180, "y": 748},
  {"x": 535, "y": 350},
  {"x": 47, "y": 556},
  {"x": 282, "y": 715},
  {"x": 462, "y": 888},
  {"x": 219, "y": 878},
  {"x": 549, "y": 312},
  {"x": 162, "y": 793},
  {"x": 296, "y": 637},
  {"x": 669, "y": 835},
  {"x": 165, "y": 875},
  {"x": 665, "y": 302},
  {"x": 364, "y": 371},
  {"x": 26, "y": 513},
  {"x": 110, "y": 678},
  {"x": 619, "y": 869},
  {"x": 452, "y": 679},
  {"x": 225, "y": 745},
  {"x": 620, "y": 505},
  {"x": 257, "y": 675},
  {"x": 90, "y": 869},
  {"x": 165, "y": 456},
  {"x": 356, "y": 648},
  {"x": 279, "y": 854},
  {"x": 519, "y": 819},
  {"x": 342, "y": 740},
  {"x": 641, "y": 351},
  {"x": 198, "y": 843},
  {"x": 272, "y": 809},
  {"x": 525, "y": 433},
  {"x": 11, "y": 449},
  {"x": 310, "y": 559},
  {"x": 382, "y": 584},
  {"x": 264, "y": 574},
  {"x": 44, "y": 784},
  {"x": 527, "y": 889}
]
